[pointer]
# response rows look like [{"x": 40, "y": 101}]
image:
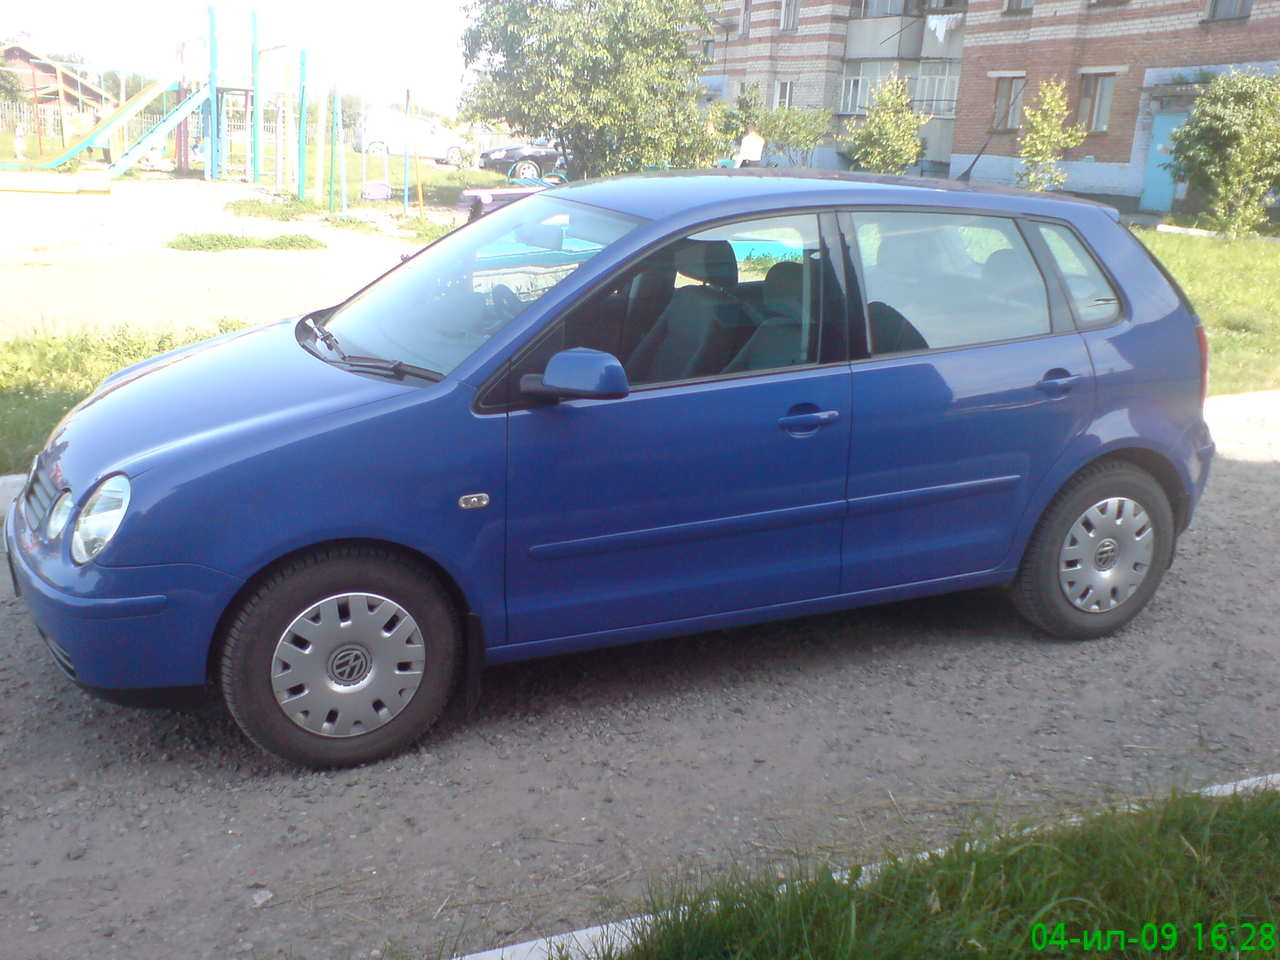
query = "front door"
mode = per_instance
[
  {"x": 718, "y": 484},
  {"x": 1157, "y": 182}
]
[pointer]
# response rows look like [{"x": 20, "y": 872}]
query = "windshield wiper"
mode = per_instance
[{"x": 396, "y": 368}]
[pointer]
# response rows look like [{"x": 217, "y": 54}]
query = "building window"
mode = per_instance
[
  {"x": 862, "y": 80},
  {"x": 708, "y": 50},
  {"x": 744, "y": 25},
  {"x": 1009, "y": 102},
  {"x": 789, "y": 18},
  {"x": 784, "y": 93},
  {"x": 1096, "y": 91},
  {"x": 936, "y": 87},
  {"x": 1020, "y": 6},
  {"x": 887, "y": 8},
  {"x": 1229, "y": 9}
]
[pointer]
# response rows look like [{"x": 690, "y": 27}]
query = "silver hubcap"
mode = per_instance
[
  {"x": 348, "y": 664},
  {"x": 1106, "y": 555}
]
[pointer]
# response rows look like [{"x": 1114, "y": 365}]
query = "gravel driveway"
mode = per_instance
[{"x": 155, "y": 835}]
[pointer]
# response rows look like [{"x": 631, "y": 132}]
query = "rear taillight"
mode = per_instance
[{"x": 1203, "y": 342}]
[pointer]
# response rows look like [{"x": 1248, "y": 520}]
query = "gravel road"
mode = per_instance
[{"x": 153, "y": 835}]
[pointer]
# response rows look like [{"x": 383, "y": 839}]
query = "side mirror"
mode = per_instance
[{"x": 578, "y": 374}]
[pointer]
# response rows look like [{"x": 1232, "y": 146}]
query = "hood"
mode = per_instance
[{"x": 241, "y": 382}]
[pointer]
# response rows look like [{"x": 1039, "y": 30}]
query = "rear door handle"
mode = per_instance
[
  {"x": 800, "y": 422},
  {"x": 1057, "y": 383}
]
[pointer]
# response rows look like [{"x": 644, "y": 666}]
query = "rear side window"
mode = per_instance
[
  {"x": 940, "y": 280},
  {"x": 1092, "y": 296}
]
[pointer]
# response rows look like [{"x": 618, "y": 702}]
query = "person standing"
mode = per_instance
[{"x": 752, "y": 147}]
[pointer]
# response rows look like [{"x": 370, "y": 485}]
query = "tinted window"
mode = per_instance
[
  {"x": 751, "y": 296},
  {"x": 1094, "y": 299},
  {"x": 938, "y": 280}
]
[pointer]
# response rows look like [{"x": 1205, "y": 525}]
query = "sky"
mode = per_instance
[{"x": 374, "y": 48}]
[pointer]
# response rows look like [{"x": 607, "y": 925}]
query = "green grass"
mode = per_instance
[
  {"x": 281, "y": 208},
  {"x": 212, "y": 242},
  {"x": 425, "y": 230},
  {"x": 1235, "y": 287},
  {"x": 44, "y": 376},
  {"x": 1182, "y": 861}
]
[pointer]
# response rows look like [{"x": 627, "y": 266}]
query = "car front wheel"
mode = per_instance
[
  {"x": 526, "y": 170},
  {"x": 453, "y": 157},
  {"x": 341, "y": 657},
  {"x": 1097, "y": 554}
]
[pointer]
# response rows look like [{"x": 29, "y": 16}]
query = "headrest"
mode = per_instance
[
  {"x": 784, "y": 288},
  {"x": 899, "y": 253},
  {"x": 1004, "y": 265},
  {"x": 711, "y": 261}
]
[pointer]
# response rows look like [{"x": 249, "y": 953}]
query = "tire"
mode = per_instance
[
  {"x": 357, "y": 611},
  {"x": 453, "y": 157},
  {"x": 526, "y": 170},
  {"x": 1097, "y": 554}
]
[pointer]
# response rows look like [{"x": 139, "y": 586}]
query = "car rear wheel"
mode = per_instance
[
  {"x": 1097, "y": 554},
  {"x": 526, "y": 170},
  {"x": 341, "y": 657}
]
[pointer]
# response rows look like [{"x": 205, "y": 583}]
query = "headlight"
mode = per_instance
[
  {"x": 497, "y": 155},
  {"x": 58, "y": 515},
  {"x": 100, "y": 518}
]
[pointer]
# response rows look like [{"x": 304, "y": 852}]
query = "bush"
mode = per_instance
[{"x": 888, "y": 138}]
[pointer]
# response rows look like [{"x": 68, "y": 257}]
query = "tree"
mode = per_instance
[
  {"x": 1045, "y": 137},
  {"x": 1229, "y": 149},
  {"x": 888, "y": 138},
  {"x": 795, "y": 132},
  {"x": 614, "y": 81},
  {"x": 11, "y": 88}
]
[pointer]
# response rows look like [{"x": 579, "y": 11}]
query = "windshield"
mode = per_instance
[{"x": 441, "y": 306}]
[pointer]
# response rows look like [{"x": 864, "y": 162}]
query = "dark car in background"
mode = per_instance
[{"x": 525, "y": 161}]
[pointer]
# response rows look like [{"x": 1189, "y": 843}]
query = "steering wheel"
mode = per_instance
[{"x": 505, "y": 300}]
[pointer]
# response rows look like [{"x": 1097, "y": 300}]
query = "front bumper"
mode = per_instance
[{"x": 123, "y": 629}]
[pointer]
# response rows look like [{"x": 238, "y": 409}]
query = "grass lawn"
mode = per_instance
[
  {"x": 1188, "y": 876},
  {"x": 209, "y": 242},
  {"x": 1235, "y": 287},
  {"x": 43, "y": 377}
]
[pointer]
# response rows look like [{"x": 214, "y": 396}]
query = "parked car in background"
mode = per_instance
[
  {"x": 525, "y": 161},
  {"x": 427, "y": 137},
  {"x": 618, "y": 410}
]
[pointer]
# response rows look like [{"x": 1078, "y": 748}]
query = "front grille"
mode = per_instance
[
  {"x": 40, "y": 496},
  {"x": 60, "y": 656}
]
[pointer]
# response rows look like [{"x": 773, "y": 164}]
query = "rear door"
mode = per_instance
[{"x": 973, "y": 382}]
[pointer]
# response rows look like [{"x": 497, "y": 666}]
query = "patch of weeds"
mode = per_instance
[
  {"x": 281, "y": 208},
  {"x": 212, "y": 242},
  {"x": 426, "y": 230},
  {"x": 350, "y": 223}
]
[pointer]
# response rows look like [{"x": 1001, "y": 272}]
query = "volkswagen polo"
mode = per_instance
[{"x": 616, "y": 411}]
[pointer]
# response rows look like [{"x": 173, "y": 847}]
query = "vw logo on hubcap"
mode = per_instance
[
  {"x": 349, "y": 665},
  {"x": 1105, "y": 558}
]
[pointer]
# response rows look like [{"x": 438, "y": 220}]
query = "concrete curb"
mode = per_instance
[{"x": 586, "y": 944}]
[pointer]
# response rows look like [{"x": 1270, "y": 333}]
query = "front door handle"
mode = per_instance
[
  {"x": 806, "y": 422},
  {"x": 1058, "y": 382}
]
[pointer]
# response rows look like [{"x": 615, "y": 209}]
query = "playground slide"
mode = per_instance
[
  {"x": 156, "y": 135},
  {"x": 108, "y": 124}
]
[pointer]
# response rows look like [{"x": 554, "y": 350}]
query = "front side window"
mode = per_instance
[
  {"x": 1229, "y": 9},
  {"x": 1009, "y": 102},
  {"x": 440, "y": 307},
  {"x": 1096, "y": 91},
  {"x": 1092, "y": 296},
  {"x": 749, "y": 297},
  {"x": 939, "y": 280}
]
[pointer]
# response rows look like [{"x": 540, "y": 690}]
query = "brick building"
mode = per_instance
[
  {"x": 833, "y": 54},
  {"x": 1132, "y": 69}
]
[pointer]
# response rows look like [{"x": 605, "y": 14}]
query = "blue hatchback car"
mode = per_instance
[{"x": 620, "y": 410}]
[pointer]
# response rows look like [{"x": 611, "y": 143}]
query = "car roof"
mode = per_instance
[{"x": 664, "y": 193}]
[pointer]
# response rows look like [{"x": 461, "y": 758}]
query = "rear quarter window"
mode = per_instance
[{"x": 1094, "y": 300}]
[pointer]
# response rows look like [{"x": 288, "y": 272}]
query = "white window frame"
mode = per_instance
[
  {"x": 1097, "y": 92},
  {"x": 936, "y": 88},
  {"x": 784, "y": 93},
  {"x": 744, "y": 25},
  {"x": 1229, "y": 9},
  {"x": 789, "y": 15},
  {"x": 1012, "y": 118},
  {"x": 862, "y": 78}
]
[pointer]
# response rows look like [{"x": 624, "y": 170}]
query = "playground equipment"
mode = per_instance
[{"x": 213, "y": 117}]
